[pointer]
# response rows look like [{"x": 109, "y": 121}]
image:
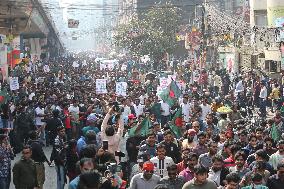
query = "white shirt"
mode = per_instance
[
  {"x": 38, "y": 119},
  {"x": 217, "y": 82},
  {"x": 215, "y": 176},
  {"x": 74, "y": 111},
  {"x": 263, "y": 93},
  {"x": 142, "y": 98},
  {"x": 31, "y": 96},
  {"x": 239, "y": 87},
  {"x": 165, "y": 109},
  {"x": 138, "y": 109},
  {"x": 161, "y": 165},
  {"x": 126, "y": 111},
  {"x": 185, "y": 108},
  {"x": 206, "y": 109}
]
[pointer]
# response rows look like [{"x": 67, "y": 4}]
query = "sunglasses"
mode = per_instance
[{"x": 149, "y": 171}]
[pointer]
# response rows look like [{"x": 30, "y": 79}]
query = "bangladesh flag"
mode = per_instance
[
  {"x": 141, "y": 129},
  {"x": 4, "y": 96},
  {"x": 171, "y": 93},
  {"x": 156, "y": 110},
  {"x": 176, "y": 123}
]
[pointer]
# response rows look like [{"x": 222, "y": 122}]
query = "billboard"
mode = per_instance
[{"x": 72, "y": 23}]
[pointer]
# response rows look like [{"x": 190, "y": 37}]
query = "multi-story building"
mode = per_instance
[{"x": 267, "y": 17}]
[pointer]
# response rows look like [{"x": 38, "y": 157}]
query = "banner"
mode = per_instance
[
  {"x": 121, "y": 88},
  {"x": 73, "y": 23},
  {"x": 164, "y": 82},
  {"x": 46, "y": 68},
  {"x": 14, "y": 83},
  {"x": 101, "y": 86}
]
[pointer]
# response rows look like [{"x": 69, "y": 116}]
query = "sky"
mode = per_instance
[{"x": 89, "y": 16}]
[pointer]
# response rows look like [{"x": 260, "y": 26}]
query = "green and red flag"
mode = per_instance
[
  {"x": 141, "y": 129},
  {"x": 171, "y": 93},
  {"x": 156, "y": 110},
  {"x": 176, "y": 123},
  {"x": 4, "y": 96}
]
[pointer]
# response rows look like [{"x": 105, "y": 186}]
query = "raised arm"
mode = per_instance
[{"x": 104, "y": 124}]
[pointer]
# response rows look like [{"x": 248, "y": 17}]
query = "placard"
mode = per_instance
[
  {"x": 164, "y": 82},
  {"x": 101, "y": 86},
  {"x": 121, "y": 88},
  {"x": 75, "y": 64},
  {"x": 46, "y": 68},
  {"x": 14, "y": 83}
]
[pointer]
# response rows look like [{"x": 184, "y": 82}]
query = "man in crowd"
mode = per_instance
[
  {"x": 147, "y": 179},
  {"x": 200, "y": 179},
  {"x": 161, "y": 161},
  {"x": 24, "y": 171}
]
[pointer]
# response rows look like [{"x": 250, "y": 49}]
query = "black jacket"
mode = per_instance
[
  {"x": 24, "y": 174},
  {"x": 172, "y": 151}
]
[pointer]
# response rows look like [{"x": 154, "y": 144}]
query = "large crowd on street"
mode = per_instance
[{"x": 206, "y": 129}]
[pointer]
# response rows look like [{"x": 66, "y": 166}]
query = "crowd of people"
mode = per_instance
[{"x": 229, "y": 136}]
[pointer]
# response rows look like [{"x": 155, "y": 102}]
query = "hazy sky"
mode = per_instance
[{"x": 85, "y": 11}]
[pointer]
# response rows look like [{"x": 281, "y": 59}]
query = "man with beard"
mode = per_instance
[
  {"x": 183, "y": 164},
  {"x": 188, "y": 173},
  {"x": 200, "y": 180},
  {"x": 218, "y": 172},
  {"x": 277, "y": 181},
  {"x": 206, "y": 159},
  {"x": 188, "y": 143},
  {"x": 209, "y": 123},
  {"x": 239, "y": 168}
]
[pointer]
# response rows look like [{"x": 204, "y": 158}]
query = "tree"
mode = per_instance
[{"x": 153, "y": 34}]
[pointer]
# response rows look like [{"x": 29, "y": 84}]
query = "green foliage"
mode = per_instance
[{"x": 154, "y": 33}]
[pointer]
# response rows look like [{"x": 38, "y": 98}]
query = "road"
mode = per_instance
[{"x": 50, "y": 173}]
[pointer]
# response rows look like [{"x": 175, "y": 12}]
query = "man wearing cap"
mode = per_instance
[
  {"x": 138, "y": 168},
  {"x": 145, "y": 180},
  {"x": 188, "y": 143}
]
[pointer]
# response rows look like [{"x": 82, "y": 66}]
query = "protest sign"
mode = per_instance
[
  {"x": 164, "y": 82},
  {"x": 123, "y": 67},
  {"x": 101, "y": 87},
  {"x": 75, "y": 64},
  {"x": 121, "y": 88},
  {"x": 46, "y": 68},
  {"x": 14, "y": 83}
]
